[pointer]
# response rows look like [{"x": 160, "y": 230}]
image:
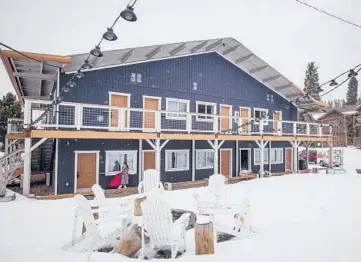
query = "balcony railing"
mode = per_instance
[
  {"x": 101, "y": 117},
  {"x": 15, "y": 125}
]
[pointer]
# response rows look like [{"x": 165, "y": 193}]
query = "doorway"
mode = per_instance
[
  {"x": 119, "y": 100},
  {"x": 245, "y": 159},
  {"x": 86, "y": 170},
  {"x": 225, "y": 120},
  {"x": 151, "y": 103},
  {"x": 288, "y": 159},
  {"x": 226, "y": 162}
]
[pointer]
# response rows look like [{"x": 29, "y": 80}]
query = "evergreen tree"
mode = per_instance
[
  {"x": 9, "y": 108},
  {"x": 351, "y": 95},
  {"x": 311, "y": 81}
]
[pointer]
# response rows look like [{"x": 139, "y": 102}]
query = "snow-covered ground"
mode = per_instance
[{"x": 308, "y": 217}]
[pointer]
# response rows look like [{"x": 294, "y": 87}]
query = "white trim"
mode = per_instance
[
  {"x": 249, "y": 150},
  {"x": 254, "y": 158},
  {"x": 56, "y": 160},
  {"x": 141, "y": 163},
  {"x": 276, "y": 149},
  {"x": 167, "y": 116},
  {"x": 265, "y": 123},
  {"x": 135, "y": 152},
  {"x": 278, "y": 111},
  {"x": 193, "y": 160},
  {"x": 196, "y": 159},
  {"x": 211, "y": 119},
  {"x": 147, "y": 150},
  {"x": 110, "y": 93},
  {"x": 176, "y": 169},
  {"x": 76, "y": 152},
  {"x": 230, "y": 160}
]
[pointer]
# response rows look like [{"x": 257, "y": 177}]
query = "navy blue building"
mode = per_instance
[{"x": 188, "y": 109}]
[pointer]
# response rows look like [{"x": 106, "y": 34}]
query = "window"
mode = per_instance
[
  {"x": 205, "y": 109},
  {"x": 177, "y": 105},
  {"x": 257, "y": 156},
  {"x": 204, "y": 158},
  {"x": 139, "y": 78},
  {"x": 132, "y": 77},
  {"x": 276, "y": 155},
  {"x": 176, "y": 160},
  {"x": 115, "y": 159},
  {"x": 260, "y": 113}
]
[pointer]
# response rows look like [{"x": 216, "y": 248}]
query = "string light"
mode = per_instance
[{"x": 127, "y": 14}]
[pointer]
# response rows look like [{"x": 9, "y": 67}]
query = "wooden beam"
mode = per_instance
[
  {"x": 37, "y": 76},
  {"x": 15, "y": 136},
  {"x": 85, "y": 134},
  {"x": 42, "y": 57}
]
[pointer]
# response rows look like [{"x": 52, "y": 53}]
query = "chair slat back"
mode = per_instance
[
  {"x": 157, "y": 217},
  {"x": 151, "y": 180},
  {"x": 83, "y": 208},
  {"x": 98, "y": 192},
  {"x": 217, "y": 184}
]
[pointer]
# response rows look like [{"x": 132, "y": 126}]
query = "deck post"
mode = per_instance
[
  {"x": 237, "y": 159},
  {"x": 157, "y": 154},
  {"x": 215, "y": 164},
  {"x": 330, "y": 164},
  {"x": 261, "y": 144},
  {"x": 193, "y": 160},
  {"x": 27, "y": 167},
  {"x": 295, "y": 145}
]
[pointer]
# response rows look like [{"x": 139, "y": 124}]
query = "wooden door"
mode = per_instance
[
  {"x": 86, "y": 170},
  {"x": 149, "y": 160},
  {"x": 276, "y": 118},
  {"x": 118, "y": 101},
  {"x": 225, "y": 121},
  {"x": 288, "y": 159},
  {"x": 149, "y": 117},
  {"x": 244, "y": 120},
  {"x": 226, "y": 168}
]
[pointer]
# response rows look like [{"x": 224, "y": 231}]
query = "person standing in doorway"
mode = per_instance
[{"x": 125, "y": 175}]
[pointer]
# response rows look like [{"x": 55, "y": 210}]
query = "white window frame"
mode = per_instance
[
  {"x": 207, "y": 118},
  {"x": 274, "y": 151},
  {"x": 265, "y": 123},
  {"x": 204, "y": 151},
  {"x": 169, "y": 169},
  {"x": 131, "y": 171},
  {"x": 265, "y": 161},
  {"x": 139, "y": 78},
  {"x": 170, "y": 115},
  {"x": 133, "y": 77}
]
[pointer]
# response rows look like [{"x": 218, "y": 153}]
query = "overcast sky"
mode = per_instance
[{"x": 283, "y": 33}]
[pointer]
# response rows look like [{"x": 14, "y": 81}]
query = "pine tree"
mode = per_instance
[
  {"x": 9, "y": 108},
  {"x": 311, "y": 81},
  {"x": 351, "y": 95}
]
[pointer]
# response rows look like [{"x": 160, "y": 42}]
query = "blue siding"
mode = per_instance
[{"x": 217, "y": 80}]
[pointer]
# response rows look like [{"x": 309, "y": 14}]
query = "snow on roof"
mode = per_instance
[{"x": 316, "y": 116}]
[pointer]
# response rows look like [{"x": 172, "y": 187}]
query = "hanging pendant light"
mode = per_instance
[
  {"x": 65, "y": 89},
  {"x": 79, "y": 74},
  {"x": 71, "y": 84},
  {"x": 352, "y": 73},
  {"x": 333, "y": 82},
  {"x": 110, "y": 35},
  {"x": 319, "y": 89},
  {"x": 86, "y": 65},
  {"x": 59, "y": 99},
  {"x": 128, "y": 14},
  {"x": 96, "y": 51}
]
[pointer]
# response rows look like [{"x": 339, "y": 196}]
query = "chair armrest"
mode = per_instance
[
  {"x": 160, "y": 185},
  {"x": 182, "y": 221},
  {"x": 140, "y": 187}
]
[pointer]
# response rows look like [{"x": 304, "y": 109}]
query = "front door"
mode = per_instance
[
  {"x": 225, "y": 121},
  {"x": 118, "y": 101},
  {"x": 149, "y": 117},
  {"x": 226, "y": 168},
  {"x": 149, "y": 160},
  {"x": 288, "y": 159},
  {"x": 86, "y": 170},
  {"x": 244, "y": 120},
  {"x": 276, "y": 118}
]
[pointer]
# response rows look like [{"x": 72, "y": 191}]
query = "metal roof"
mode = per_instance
[{"x": 229, "y": 48}]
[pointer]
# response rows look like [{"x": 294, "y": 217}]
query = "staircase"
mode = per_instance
[
  {"x": 42, "y": 156},
  {"x": 11, "y": 165}
]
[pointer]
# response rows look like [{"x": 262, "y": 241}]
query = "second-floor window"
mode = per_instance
[
  {"x": 205, "y": 109},
  {"x": 177, "y": 105},
  {"x": 136, "y": 78},
  {"x": 260, "y": 113}
]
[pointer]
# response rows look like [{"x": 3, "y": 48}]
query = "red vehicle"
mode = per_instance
[{"x": 312, "y": 156}]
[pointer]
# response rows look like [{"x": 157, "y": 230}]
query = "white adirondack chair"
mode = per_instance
[
  {"x": 216, "y": 194},
  {"x": 162, "y": 231},
  {"x": 151, "y": 182},
  {"x": 119, "y": 207},
  {"x": 99, "y": 232}
]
